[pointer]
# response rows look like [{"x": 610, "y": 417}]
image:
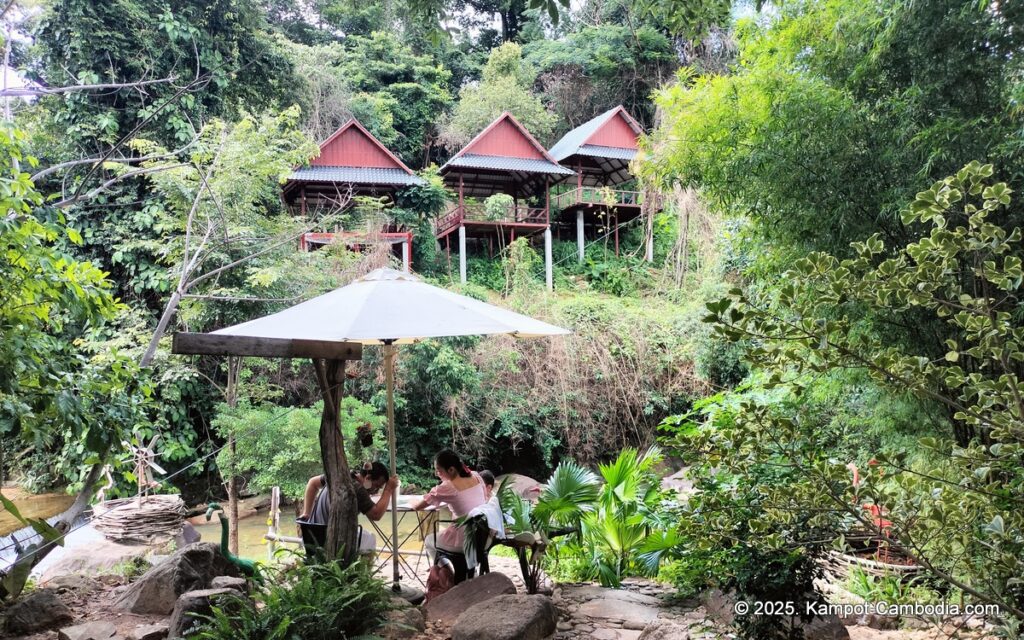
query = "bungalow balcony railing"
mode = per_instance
[
  {"x": 596, "y": 196},
  {"x": 477, "y": 213}
]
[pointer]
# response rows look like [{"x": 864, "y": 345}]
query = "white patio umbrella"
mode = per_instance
[{"x": 388, "y": 307}]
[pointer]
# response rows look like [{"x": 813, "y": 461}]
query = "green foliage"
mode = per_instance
[
  {"x": 398, "y": 95},
  {"x": 221, "y": 44},
  {"x": 596, "y": 68},
  {"x": 54, "y": 393},
  {"x": 506, "y": 86},
  {"x": 960, "y": 515},
  {"x": 836, "y": 113},
  {"x": 891, "y": 589},
  {"x": 316, "y": 602},
  {"x": 277, "y": 446},
  {"x": 496, "y": 207},
  {"x": 426, "y": 200},
  {"x": 597, "y": 530}
]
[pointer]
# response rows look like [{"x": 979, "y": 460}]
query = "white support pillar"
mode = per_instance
[
  {"x": 462, "y": 254},
  {"x": 405, "y": 257},
  {"x": 579, "y": 235},
  {"x": 650, "y": 249},
  {"x": 548, "y": 275}
]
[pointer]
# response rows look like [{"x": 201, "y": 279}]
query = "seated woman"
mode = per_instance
[{"x": 461, "y": 490}]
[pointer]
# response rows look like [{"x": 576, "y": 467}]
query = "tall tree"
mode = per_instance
[{"x": 506, "y": 86}]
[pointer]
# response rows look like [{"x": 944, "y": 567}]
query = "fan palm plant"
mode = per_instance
[
  {"x": 570, "y": 493},
  {"x": 627, "y": 532}
]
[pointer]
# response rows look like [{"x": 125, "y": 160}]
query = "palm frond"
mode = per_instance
[
  {"x": 654, "y": 548},
  {"x": 570, "y": 492}
]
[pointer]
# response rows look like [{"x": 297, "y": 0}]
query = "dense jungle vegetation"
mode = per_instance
[{"x": 835, "y": 279}]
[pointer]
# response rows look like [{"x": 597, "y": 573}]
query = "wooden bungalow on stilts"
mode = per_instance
[
  {"x": 503, "y": 159},
  {"x": 599, "y": 195},
  {"x": 352, "y": 162}
]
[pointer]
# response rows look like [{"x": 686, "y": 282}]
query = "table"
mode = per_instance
[{"x": 426, "y": 523}]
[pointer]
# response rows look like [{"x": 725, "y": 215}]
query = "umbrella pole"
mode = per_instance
[{"x": 389, "y": 377}]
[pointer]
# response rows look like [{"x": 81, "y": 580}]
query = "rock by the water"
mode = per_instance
[
  {"x": 95, "y": 630},
  {"x": 448, "y": 606},
  {"x": 230, "y": 582},
  {"x": 189, "y": 569},
  {"x": 99, "y": 556},
  {"x": 188, "y": 535},
  {"x": 665, "y": 630},
  {"x": 155, "y": 631},
  {"x": 37, "y": 611},
  {"x": 190, "y": 606},
  {"x": 403, "y": 621},
  {"x": 508, "y": 617}
]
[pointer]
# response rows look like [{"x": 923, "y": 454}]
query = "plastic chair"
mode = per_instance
[{"x": 482, "y": 543}]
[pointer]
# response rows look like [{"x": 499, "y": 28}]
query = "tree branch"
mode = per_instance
[
  {"x": 39, "y": 90},
  {"x": 67, "y": 202}
]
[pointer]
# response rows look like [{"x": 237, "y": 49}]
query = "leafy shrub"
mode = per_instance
[
  {"x": 312, "y": 602},
  {"x": 497, "y": 207},
  {"x": 720, "y": 361}
]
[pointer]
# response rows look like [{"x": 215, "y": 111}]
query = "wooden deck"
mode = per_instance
[
  {"x": 596, "y": 196},
  {"x": 475, "y": 216}
]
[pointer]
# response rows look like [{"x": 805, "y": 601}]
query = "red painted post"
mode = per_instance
[{"x": 408, "y": 249}]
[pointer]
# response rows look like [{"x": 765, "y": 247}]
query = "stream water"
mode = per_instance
[{"x": 251, "y": 530}]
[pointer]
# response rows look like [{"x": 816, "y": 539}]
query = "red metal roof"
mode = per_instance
[
  {"x": 505, "y": 137},
  {"x": 353, "y": 146}
]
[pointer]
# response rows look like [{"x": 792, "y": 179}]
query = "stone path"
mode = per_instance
[{"x": 591, "y": 611}]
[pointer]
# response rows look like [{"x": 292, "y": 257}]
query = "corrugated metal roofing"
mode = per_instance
[
  {"x": 355, "y": 175},
  {"x": 574, "y": 141},
  {"x": 616, "y": 153},
  {"x": 500, "y": 163}
]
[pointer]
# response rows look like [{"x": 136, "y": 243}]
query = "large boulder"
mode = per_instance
[
  {"x": 524, "y": 486},
  {"x": 508, "y": 617},
  {"x": 190, "y": 569},
  {"x": 240, "y": 585},
  {"x": 95, "y": 630},
  {"x": 448, "y": 606},
  {"x": 37, "y": 611},
  {"x": 191, "y": 606}
]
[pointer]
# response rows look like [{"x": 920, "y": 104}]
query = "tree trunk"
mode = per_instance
[{"x": 341, "y": 543}]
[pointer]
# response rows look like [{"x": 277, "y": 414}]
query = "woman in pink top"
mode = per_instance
[{"x": 461, "y": 490}]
